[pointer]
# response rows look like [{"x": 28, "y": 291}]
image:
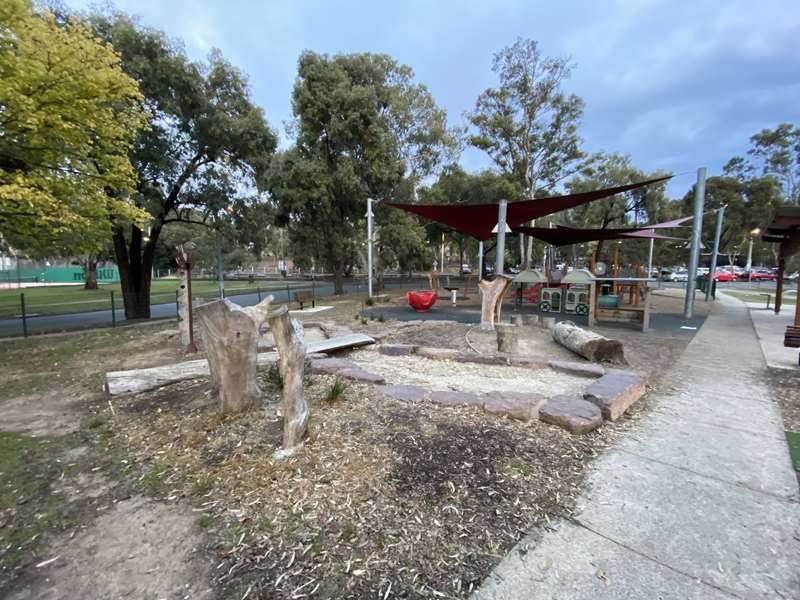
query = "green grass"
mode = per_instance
[
  {"x": 761, "y": 298},
  {"x": 67, "y": 299},
  {"x": 793, "y": 438},
  {"x": 27, "y": 507}
]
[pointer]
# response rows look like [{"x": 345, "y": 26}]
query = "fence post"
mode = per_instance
[
  {"x": 113, "y": 311},
  {"x": 288, "y": 296},
  {"x": 24, "y": 317},
  {"x": 177, "y": 306},
  {"x": 258, "y": 291}
]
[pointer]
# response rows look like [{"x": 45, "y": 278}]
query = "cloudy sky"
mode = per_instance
[{"x": 676, "y": 85}]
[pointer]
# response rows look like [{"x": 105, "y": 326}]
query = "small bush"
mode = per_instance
[
  {"x": 273, "y": 376},
  {"x": 370, "y": 302},
  {"x": 381, "y": 318},
  {"x": 335, "y": 391}
]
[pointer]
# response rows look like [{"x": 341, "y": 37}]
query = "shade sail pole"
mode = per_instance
[
  {"x": 501, "y": 237},
  {"x": 650, "y": 260},
  {"x": 480, "y": 261},
  {"x": 694, "y": 255},
  {"x": 713, "y": 267}
]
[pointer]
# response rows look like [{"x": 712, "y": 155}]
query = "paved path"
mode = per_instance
[{"x": 698, "y": 501}]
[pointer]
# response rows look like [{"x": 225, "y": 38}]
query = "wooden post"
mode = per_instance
[
  {"x": 493, "y": 293},
  {"x": 185, "y": 262},
  {"x": 288, "y": 335},
  {"x": 592, "y": 302},
  {"x": 230, "y": 339},
  {"x": 779, "y": 286}
]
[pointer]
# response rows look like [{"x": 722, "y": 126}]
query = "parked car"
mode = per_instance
[
  {"x": 465, "y": 270},
  {"x": 762, "y": 275},
  {"x": 675, "y": 274},
  {"x": 722, "y": 276}
]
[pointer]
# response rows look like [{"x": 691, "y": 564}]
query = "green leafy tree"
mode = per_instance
[
  {"x": 363, "y": 127},
  {"x": 68, "y": 116},
  {"x": 206, "y": 150},
  {"x": 774, "y": 153},
  {"x": 528, "y": 125}
]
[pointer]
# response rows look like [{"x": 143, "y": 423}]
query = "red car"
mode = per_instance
[
  {"x": 723, "y": 276},
  {"x": 763, "y": 275}
]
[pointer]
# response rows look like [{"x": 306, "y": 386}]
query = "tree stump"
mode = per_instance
[
  {"x": 230, "y": 338},
  {"x": 507, "y": 338},
  {"x": 185, "y": 263},
  {"x": 518, "y": 319},
  {"x": 288, "y": 335},
  {"x": 493, "y": 293},
  {"x": 588, "y": 344}
]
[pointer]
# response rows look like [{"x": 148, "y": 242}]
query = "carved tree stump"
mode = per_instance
[
  {"x": 185, "y": 262},
  {"x": 507, "y": 337},
  {"x": 588, "y": 344},
  {"x": 230, "y": 338},
  {"x": 288, "y": 335},
  {"x": 493, "y": 293}
]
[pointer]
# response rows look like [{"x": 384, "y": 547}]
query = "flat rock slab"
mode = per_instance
[
  {"x": 359, "y": 374},
  {"x": 438, "y": 353},
  {"x": 517, "y": 405},
  {"x": 572, "y": 413},
  {"x": 397, "y": 349},
  {"x": 332, "y": 365},
  {"x": 405, "y": 393},
  {"x": 615, "y": 391},
  {"x": 577, "y": 368},
  {"x": 339, "y": 343},
  {"x": 448, "y": 398},
  {"x": 527, "y": 361}
]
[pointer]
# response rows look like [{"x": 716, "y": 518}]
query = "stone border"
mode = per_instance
[{"x": 610, "y": 393}]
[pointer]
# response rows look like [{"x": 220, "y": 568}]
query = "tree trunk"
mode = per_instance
[
  {"x": 588, "y": 344},
  {"x": 90, "y": 273},
  {"x": 492, "y": 294},
  {"x": 338, "y": 276},
  {"x": 230, "y": 339},
  {"x": 289, "y": 341},
  {"x": 135, "y": 263}
]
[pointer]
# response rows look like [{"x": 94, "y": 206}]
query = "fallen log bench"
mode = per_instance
[
  {"x": 304, "y": 297},
  {"x": 588, "y": 344}
]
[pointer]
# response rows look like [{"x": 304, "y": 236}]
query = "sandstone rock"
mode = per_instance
[
  {"x": 517, "y": 405},
  {"x": 481, "y": 359},
  {"x": 397, "y": 349},
  {"x": 448, "y": 398},
  {"x": 572, "y": 413},
  {"x": 528, "y": 361},
  {"x": 438, "y": 353},
  {"x": 577, "y": 368},
  {"x": 359, "y": 374},
  {"x": 404, "y": 393},
  {"x": 615, "y": 391},
  {"x": 332, "y": 365}
]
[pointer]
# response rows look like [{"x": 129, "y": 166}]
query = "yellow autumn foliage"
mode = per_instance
[{"x": 68, "y": 117}]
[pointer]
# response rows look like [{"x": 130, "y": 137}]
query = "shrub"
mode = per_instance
[{"x": 335, "y": 391}]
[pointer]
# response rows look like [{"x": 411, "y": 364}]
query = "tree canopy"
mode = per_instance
[{"x": 68, "y": 116}]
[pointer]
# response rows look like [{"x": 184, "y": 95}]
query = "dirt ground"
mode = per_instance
[{"x": 158, "y": 496}]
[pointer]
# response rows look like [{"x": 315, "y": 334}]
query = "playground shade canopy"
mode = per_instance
[
  {"x": 478, "y": 220},
  {"x": 564, "y": 236}
]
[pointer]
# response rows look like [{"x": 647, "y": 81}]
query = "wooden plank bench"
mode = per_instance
[
  {"x": 303, "y": 297},
  {"x": 791, "y": 339}
]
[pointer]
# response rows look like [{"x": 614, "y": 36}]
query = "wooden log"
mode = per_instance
[
  {"x": 492, "y": 293},
  {"x": 588, "y": 344},
  {"x": 185, "y": 262},
  {"x": 507, "y": 338},
  {"x": 291, "y": 349},
  {"x": 230, "y": 339}
]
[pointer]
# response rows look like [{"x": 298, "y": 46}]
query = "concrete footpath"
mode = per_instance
[{"x": 699, "y": 500}]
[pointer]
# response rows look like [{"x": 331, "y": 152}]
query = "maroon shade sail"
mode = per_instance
[
  {"x": 478, "y": 220},
  {"x": 564, "y": 236}
]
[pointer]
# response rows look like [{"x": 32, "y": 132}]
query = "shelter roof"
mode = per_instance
[{"x": 784, "y": 228}]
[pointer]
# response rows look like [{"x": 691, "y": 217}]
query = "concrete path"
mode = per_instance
[
  {"x": 699, "y": 500},
  {"x": 770, "y": 329}
]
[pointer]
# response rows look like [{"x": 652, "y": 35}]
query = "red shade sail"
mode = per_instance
[
  {"x": 564, "y": 236},
  {"x": 478, "y": 220}
]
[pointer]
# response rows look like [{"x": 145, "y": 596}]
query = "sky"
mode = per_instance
[{"x": 675, "y": 84}]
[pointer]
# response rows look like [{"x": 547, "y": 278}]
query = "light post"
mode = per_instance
[
  {"x": 369, "y": 216},
  {"x": 755, "y": 233}
]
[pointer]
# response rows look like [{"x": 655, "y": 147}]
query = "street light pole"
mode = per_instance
[
  {"x": 369, "y": 247},
  {"x": 694, "y": 255}
]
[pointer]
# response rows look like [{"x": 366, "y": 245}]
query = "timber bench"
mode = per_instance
[
  {"x": 791, "y": 339},
  {"x": 304, "y": 297}
]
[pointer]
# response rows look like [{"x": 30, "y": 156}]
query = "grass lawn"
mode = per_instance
[
  {"x": 788, "y": 298},
  {"x": 57, "y": 300},
  {"x": 793, "y": 438}
]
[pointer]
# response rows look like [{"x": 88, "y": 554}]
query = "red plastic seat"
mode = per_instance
[{"x": 421, "y": 301}]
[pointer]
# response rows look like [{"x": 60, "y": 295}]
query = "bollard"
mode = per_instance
[
  {"x": 113, "y": 311},
  {"x": 24, "y": 318},
  {"x": 288, "y": 296}
]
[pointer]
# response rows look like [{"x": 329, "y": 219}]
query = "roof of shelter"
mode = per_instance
[
  {"x": 478, "y": 220},
  {"x": 784, "y": 229}
]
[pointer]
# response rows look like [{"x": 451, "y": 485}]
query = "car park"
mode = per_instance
[{"x": 722, "y": 276}]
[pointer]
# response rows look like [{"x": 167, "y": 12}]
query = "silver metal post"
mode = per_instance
[
  {"x": 650, "y": 260},
  {"x": 713, "y": 267},
  {"x": 441, "y": 249},
  {"x": 501, "y": 237},
  {"x": 749, "y": 257},
  {"x": 369, "y": 247},
  {"x": 480, "y": 260},
  {"x": 694, "y": 255},
  {"x": 220, "y": 265}
]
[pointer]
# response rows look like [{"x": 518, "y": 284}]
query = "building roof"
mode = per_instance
[{"x": 784, "y": 228}]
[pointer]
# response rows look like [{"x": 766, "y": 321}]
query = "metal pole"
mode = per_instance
[
  {"x": 113, "y": 311},
  {"x": 192, "y": 347},
  {"x": 749, "y": 258},
  {"x": 369, "y": 247},
  {"x": 480, "y": 261},
  {"x": 220, "y": 266},
  {"x": 694, "y": 255},
  {"x": 24, "y": 316},
  {"x": 258, "y": 291},
  {"x": 501, "y": 237},
  {"x": 713, "y": 267},
  {"x": 650, "y": 260},
  {"x": 441, "y": 265}
]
